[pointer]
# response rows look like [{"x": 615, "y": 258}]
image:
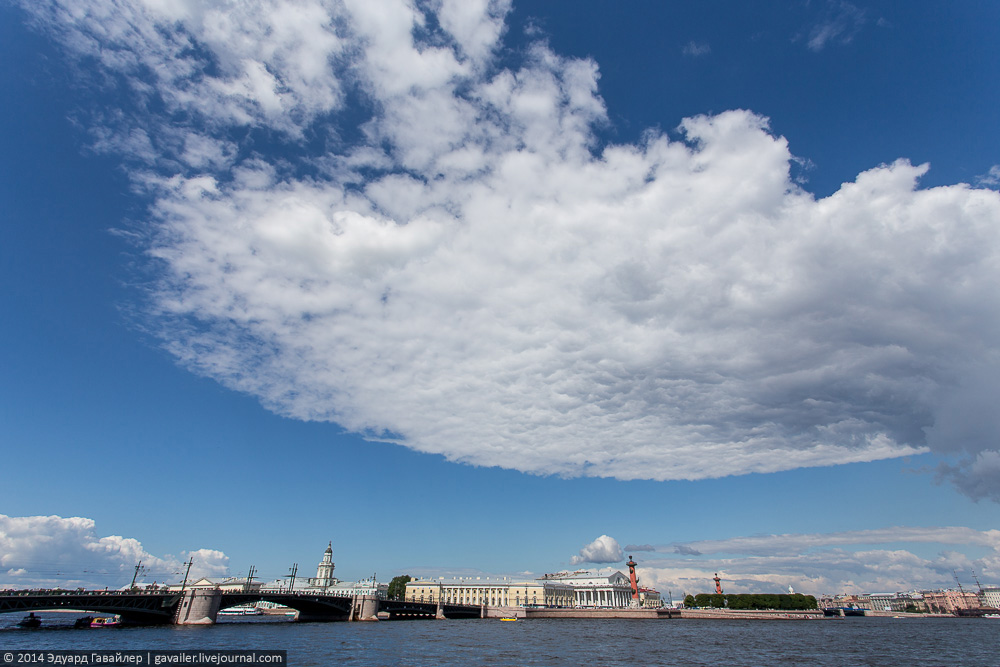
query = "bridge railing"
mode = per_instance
[
  {"x": 61, "y": 592},
  {"x": 333, "y": 594}
]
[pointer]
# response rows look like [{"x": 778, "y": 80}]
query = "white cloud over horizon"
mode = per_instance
[
  {"x": 604, "y": 549},
  {"x": 466, "y": 272},
  {"x": 66, "y": 552},
  {"x": 819, "y": 564}
]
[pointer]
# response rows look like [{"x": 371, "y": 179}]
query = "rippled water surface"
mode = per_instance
[{"x": 848, "y": 642}]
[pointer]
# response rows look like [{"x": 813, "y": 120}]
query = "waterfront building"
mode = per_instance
[
  {"x": 492, "y": 592},
  {"x": 845, "y": 601},
  {"x": 563, "y": 589},
  {"x": 950, "y": 601},
  {"x": 912, "y": 601},
  {"x": 883, "y": 602},
  {"x": 649, "y": 599},
  {"x": 990, "y": 597},
  {"x": 595, "y": 590}
]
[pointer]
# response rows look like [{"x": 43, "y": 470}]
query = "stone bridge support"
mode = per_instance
[
  {"x": 198, "y": 606},
  {"x": 364, "y": 608}
]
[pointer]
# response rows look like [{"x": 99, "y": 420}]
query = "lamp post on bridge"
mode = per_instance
[{"x": 187, "y": 572}]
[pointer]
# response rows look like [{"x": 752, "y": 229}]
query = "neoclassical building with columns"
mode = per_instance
[{"x": 564, "y": 589}]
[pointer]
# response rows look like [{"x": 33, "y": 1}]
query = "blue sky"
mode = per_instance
[{"x": 501, "y": 289}]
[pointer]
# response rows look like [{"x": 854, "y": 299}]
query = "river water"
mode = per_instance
[{"x": 558, "y": 642}]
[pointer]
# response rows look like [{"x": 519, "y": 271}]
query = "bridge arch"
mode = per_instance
[{"x": 135, "y": 607}]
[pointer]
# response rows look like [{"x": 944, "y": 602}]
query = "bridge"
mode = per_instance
[
  {"x": 200, "y": 606},
  {"x": 135, "y": 607},
  {"x": 320, "y": 607}
]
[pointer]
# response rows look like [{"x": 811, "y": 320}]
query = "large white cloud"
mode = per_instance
[
  {"x": 66, "y": 552},
  {"x": 466, "y": 271},
  {"x": 604, "y": 549}
]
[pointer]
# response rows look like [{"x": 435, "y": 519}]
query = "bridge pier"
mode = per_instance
[
  {"x": 364, "y": 608},
  {"x": 198, "y": 606}
]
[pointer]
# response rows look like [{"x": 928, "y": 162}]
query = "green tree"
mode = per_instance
[
  {"x": 689, "y": 601},
  {"x": 703, "y": 600},
  {"x": 741, "y": 601},
  {"x": 397, "y": 587}
]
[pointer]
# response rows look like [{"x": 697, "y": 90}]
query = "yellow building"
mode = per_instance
[
  {"x": 564, "y": 589},
  {"x": 496, "y": 592}
]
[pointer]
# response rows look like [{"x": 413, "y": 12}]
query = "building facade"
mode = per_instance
[
  {"x": 324, "y": 582},
  {"x": 564, "y": 589},
  {"x": 990, "y": 597},
  {"x": 324, "y": 571},
  {"x": 950, "y": 601},
  {"x": 490, "y": 592},
  {"x": 595, "y": 590},
  {"x": 649, "y": 599}
]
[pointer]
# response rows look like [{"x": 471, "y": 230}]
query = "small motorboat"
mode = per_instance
[
  {"x": 83, "y": 622},
  {"x": 106, "y": 622},
  {"x": 508, "y": 618},
  {"x": 30, "y": 621}
]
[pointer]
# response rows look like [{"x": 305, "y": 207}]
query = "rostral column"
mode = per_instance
[{"x": 635, "y": 585}]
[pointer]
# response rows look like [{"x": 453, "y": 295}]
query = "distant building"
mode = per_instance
[
  {"x": 564, "y": 589},
  {"x": 649, "y": 599},
  {"x": 990, "y": 597},
  {"x": 500, "y": 592},
  {"x": 324, "y": 571},
  {"x": 325, "y": 582},
  {"x": 950, "y": 601},
  {"x": 228, "y": 584},
  {"x": 883, "y": 602},
  {"x": 596, "y": 590}
]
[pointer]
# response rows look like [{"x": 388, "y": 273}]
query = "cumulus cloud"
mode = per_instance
[
  {"x": 53, "y": 551},
  {"x": 462, "y": 268},
  {"x": 852, "y": 562},
  {"x": 602, "y": 550}
]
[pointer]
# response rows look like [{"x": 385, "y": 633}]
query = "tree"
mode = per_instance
[
  {"x": 689, "y": 601},
  {"x": 397, "y": 587},
  {"x": 758, "y": 601}
]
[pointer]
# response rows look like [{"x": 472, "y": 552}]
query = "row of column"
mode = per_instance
[
  {"x": 586, "y": 597},
  {"x": 602, "y": 597}
]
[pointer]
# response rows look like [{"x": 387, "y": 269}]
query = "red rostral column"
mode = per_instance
[
  {"x": 631, "y": 573},
  {"x": 718, "y": 584}
]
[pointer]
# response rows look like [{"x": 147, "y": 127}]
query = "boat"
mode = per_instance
[
  {"x": 106, "y": 622},
  {"x": 843, "y": 611},
  {"x": 508, "y": 618},
  {"x": 30, "y": 621},
  {"x": 83, "y": 622},
  {"x": 241, "y": 610}
]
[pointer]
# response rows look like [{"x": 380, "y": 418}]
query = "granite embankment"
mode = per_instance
[{"x": 769, "y": 614}]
